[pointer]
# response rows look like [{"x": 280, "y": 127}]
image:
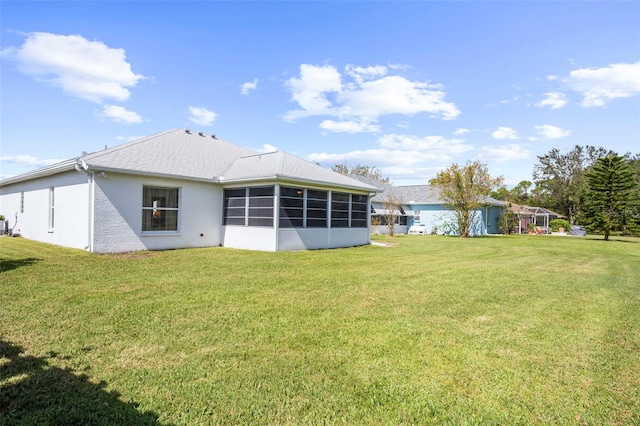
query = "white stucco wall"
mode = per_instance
[
  {"x": 118, "y": 215},
  {"x": 71, "y": 209},
  {"x": 250, "y": 238}
]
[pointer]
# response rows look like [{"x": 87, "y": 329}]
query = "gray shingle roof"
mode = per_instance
[
  {"x": 283, "y": 166},
  {"x": 194, "y": 155},
  {"x": 173, "y": 153},
  {"x": 413, "y": 194}
]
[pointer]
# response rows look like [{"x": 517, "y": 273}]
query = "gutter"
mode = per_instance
[{"x": 295, "y": 180}]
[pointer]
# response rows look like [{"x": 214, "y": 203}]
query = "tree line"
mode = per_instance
[{"x": 591, "y": 186}]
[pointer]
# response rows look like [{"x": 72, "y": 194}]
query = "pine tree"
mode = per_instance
[{"x": 611, "y": 187}]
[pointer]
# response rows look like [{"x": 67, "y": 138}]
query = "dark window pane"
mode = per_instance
[
  {"x": 159, "y": 220},
  {"x": 291, "y": 212},
  {"x": 316, "y": 204},
  {"x": 238, "y": 192},
  {"x": 291, "y": 192},
  {"x": 291, "y": 202},
  {"x": 261, "y": 212},
  {"x": 339, "y": 196},
  {"x": 261, "y": 202},
  {"x": 358, "y": 223},
  {"x": 339, "y": 215},
  {"x": 234, "y": 212},
  {"x": 261, "y": 191},
  {"x": 359, "y": 207},
  {"x": 260, "y": 221},
  {"x": 317, "y": 213},
  {"x": 318, "y": 195},
  {"x": 234, "y": 202},
  {"x": 340, "y": 206},
  {"x": 316, "y": 223},
  {"x": 234, "y": 220},
  {"x": 359, "y": 215},
  {"x": 359, "y": 198}
]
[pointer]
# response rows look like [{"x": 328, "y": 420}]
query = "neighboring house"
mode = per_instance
[
  {"x": 184, "y": 189},
  {"x": 421, "y": 205},
  {"x": 535, "y": 216}
]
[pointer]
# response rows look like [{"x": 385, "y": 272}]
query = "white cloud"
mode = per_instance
[
  {"x": 554, "y": 100},
  {"x": 461, "y": 131},
  {"x": 202, "y": 116},
  {"x": 120, "y": 114},
  {"x": 310, "y": 90},
  {"x": 85, "y": 69},
  {"x": 504, "y": 153},
  {"x": 366, "y": 94},
  {"x": 601, "y": 85},
  {"x": 504, "y": 133},
  {"x": 552, "y": 132},
  {"x": 361, "y": 74},
  {"x": 27, "y": 160},
  {"x": 249, "y": 86},
  {"x": 386, "y": 157},
  {"x": 349, "y": 126},
  {"x": 552, "y": 77},
  {"x": 436, "y": 147}
]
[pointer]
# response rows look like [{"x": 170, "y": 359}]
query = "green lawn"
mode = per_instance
[{"x": 429, "y": 330}]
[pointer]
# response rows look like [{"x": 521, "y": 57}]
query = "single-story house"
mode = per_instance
[
  {"x": 422, "y": 207},
  {"x": 182, "y": 189},
  {"x": 527, "y": 216}
]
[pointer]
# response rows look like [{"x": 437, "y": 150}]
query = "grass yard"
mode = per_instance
[{"x": 431, "y": 330}]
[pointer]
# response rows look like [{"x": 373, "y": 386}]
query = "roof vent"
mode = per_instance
[
  {"x": 187, "y": 131},
  {"x": 214, "y": 136},
  {"x": 201, "y": 134}
]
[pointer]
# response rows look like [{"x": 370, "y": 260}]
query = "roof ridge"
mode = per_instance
[{"x": 120, "y": 147}]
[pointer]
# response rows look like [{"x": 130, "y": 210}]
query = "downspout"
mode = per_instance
[
  {"x": 91, "y": 223},
  {"x": 276, "y": 214},
  {"x": 486, "y": 220}
]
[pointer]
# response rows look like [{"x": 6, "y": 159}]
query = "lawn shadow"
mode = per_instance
[
  {"x": 34, "y": 392},
  {"x": 9, "y": 264}
]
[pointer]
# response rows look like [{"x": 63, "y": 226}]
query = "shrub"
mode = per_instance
[{"x": 556, "y": 224}]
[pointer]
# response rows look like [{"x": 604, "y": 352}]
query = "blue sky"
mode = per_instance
[{"x": 408, "y": 87}]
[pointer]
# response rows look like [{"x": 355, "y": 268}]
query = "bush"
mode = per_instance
[{"x": 556, "y": 224}]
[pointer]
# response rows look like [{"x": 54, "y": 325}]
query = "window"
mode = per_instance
[
  {"x": 291, "y": 207},
  {"x": 261, "y": 206},
  {"x": 159, "y": 209},
  {"x": 359, "y": 211},
  {"x": 249, "y": 206},
  {"x": 52, "y": 206},
  {"x": 235, "y": 206},
  {"x": 339, "y": 210},
  {"x": 316, "y": 209},
  {"x": 303, "y": 208}
]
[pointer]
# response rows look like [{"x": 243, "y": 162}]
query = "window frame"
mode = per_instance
[
  {"x": 159, "y": 209},
  {"x": 257, "y": 210}
]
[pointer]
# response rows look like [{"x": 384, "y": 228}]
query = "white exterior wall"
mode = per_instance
[
  {"x": 118, "y": 215},
  {"x": 321, "y": 238},
  {"x": 71, "y": 209},
  {"x": 261, "y": 238}
]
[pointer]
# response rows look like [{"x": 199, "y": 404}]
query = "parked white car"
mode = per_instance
[{"x": 418, "y": 230}]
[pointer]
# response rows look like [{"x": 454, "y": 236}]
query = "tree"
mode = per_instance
[
  {"x": 360, "y": 170},
  {"x": 464, "y": 190},
  {"x": 612, "y": 182},
  {"x": 393, "y": 209},
  {"x": 560, "y": 179}
]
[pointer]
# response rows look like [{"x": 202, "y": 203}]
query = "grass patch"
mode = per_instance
[{"x": 510, "y": 330}]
